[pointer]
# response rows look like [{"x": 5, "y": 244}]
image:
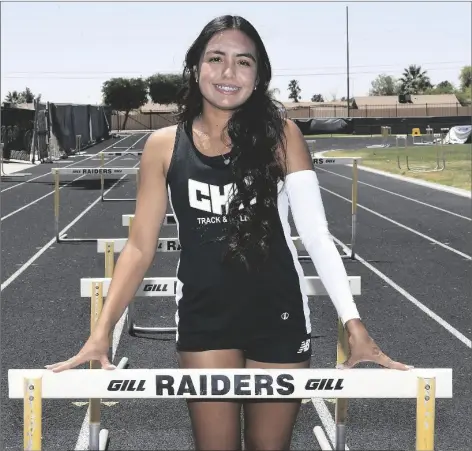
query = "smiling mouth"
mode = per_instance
[{"x": 227, "y": 89}]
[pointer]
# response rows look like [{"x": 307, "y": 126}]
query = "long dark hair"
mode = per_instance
[{"x": 256, "y": 130}]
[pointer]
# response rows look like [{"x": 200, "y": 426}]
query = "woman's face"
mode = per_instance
[{"x": 228, "y": 70}]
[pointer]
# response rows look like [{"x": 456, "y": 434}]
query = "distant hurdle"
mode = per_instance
[
  {"x": 102, "y": 172},
  {"x": 386, "y": 132},
  {"x": 354, "y": 161},
  {"x": 423, "y": 384},
  {"x": 435, "y": 164},
  {"x": 102, "y": 178}
]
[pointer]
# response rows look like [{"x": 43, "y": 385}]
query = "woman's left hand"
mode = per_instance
[{"x": 364, "y": 349}]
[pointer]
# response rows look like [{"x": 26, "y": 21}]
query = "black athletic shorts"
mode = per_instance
[{"x": 269, "y": 348}]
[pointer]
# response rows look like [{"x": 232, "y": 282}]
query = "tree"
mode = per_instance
[
  {"x": 125, "y": 94},
  {"x": 25, "y": 96},
  {"x": 28, "y": 95},
  {"x": 164, "y": 88},
  {"x": 14, "y": 97},
  {"x": 445, "y": 87},
  {"x": 414, "y": 80},
  {"x": 465, "y": 77},
  {"x": 294, "y": 90},
  {"x": 384, "y": 85},
  {"x": 317, "y": 98}
]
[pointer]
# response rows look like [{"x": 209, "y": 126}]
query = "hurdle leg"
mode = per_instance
[
  {"x": 425, "y": 414},
  {"x": 94, "y": 406},
  {"x": 109, "y": 268},
  {"x": 341, "y": 404},
  {"x": 32, "y": 414},
  {"x": 355, "y": 175},
  {"x": 56, "y": 205},
  {"x": 102, "y": 178}
]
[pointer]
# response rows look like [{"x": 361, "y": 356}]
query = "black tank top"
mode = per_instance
[{"x": 198, "y": 188}]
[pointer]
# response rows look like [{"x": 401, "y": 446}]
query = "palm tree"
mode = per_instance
[
  {"x": 414, "y": 80},
  {"x": 14, "y": 97}
]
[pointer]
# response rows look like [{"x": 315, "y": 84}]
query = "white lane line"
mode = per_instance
[
  {"x": 48, "y": 194},
  {"x": 422, "y": 235},
  {"x": 38, "y": 254},
  {"x": 399, "y": 195},
  {"x": 326, "y": 419},
  {"x": 452, "y": 330},
  {"x": 71, "y": 164}
]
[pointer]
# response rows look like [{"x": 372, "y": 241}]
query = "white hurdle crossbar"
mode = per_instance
[
  {"x": 116, "y": 245},
  {"x": 102, "y": 172},
  {"x": 167, "y": 287},
  {"x": 423, "y": 384}
]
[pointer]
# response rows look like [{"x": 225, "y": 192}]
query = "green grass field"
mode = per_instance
[{"x": 457, "y": 172}]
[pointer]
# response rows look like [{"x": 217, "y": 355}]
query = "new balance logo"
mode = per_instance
[{"x": 305, "y": 346}]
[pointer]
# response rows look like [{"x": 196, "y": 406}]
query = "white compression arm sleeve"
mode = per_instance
[{"x": 310, "y": 220}]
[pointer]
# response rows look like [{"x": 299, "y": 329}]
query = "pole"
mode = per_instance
[{"x": 347, "y": 58}]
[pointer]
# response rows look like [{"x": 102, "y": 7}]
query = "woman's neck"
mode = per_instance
[{"x": 212, "y": 121}]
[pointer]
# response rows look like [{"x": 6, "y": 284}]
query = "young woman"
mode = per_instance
[{"x": 231, "y": 169}]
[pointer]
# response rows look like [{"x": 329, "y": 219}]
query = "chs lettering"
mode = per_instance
[
  {"x": 127, "y": 385},
  {"x": 220, "y": 385},
  {"x": 324, "y": 384},
  {"x": 211, "y": 198}
]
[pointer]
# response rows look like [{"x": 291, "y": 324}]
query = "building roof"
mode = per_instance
[
  {"x": 171, "y": 108},
  {"x": 433, "y": 99}
]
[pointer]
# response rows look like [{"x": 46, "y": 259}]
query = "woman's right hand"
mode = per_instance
[{"x": 96, "y": 348}]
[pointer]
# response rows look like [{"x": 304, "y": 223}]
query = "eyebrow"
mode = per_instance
[{"x": 247, "y": 55}]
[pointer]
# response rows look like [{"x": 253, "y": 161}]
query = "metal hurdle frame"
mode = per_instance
[
  {"x": 111, "y": 246},
  {"x": 102, "y": 179},
  {"x": 440, "y": 157},
  {"x": 354, "y": 161},
  {"x": 385, "y": 131},
  {"x": 112, "y": 172}
]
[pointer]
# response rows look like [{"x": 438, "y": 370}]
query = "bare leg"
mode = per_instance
[
  {"x": 268, "y": 425},
  {"x": 216, "y": 425}
]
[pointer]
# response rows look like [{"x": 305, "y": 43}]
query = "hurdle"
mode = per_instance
[
  {"x": 111, "y": 172},
  {"x": 416, "y": 134},
  {"x": 102, "y": 179},
  {"x": 440, "y": 163},
  {"x": 354, "y": 161},
  {"x": 423, "y": 384},
  {"x": 167, "y": 287},
  {"x": 385, "y": 131},
  {"x": 128, "y": 135}
]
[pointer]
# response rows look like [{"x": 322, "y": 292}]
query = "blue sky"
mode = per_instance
[{"x": 66, "y": 50}]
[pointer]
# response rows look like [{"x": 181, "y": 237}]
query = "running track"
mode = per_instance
[{"x": 414, "y": 263}]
